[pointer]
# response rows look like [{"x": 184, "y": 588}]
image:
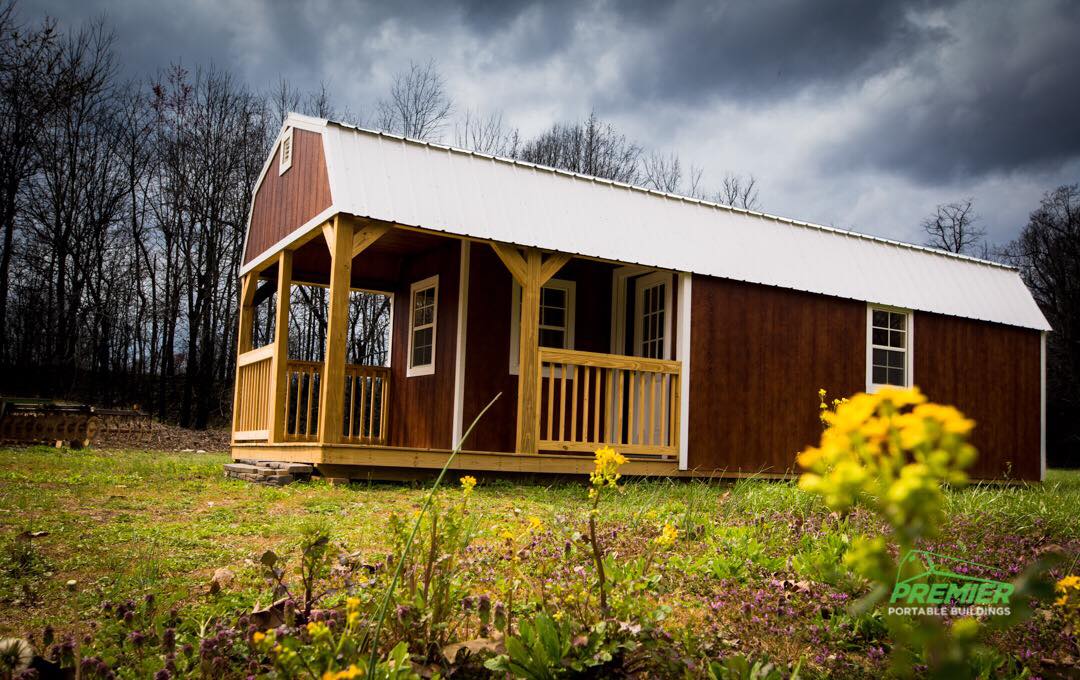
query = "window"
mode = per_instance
[
  {"x": 423, "y": 312},
  {"x": 557, "y": 308},
  {"x": 285, "y": 152},
  {"x": 888, "y": 344}
]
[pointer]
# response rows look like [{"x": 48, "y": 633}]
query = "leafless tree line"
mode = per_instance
[{"x": 123, "y": 207}]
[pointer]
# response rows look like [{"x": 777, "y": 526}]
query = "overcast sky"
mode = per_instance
[{"x": 857, "y": 114}]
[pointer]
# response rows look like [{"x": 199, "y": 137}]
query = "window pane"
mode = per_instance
[
  {"x": 896, "y": 359},
  {"x": 881, "y": 318},
  {"x": 881, "y": 357},
  {"x": 896, "y": 321},
  {"x": 896, "y": 377},
  {"x": 553, "y": 297},
  {"x": 552, "y": 338},
  {"x": 879, "y": 375},
  {"x": 896, "y": 338},
  {"x": 552, "y": 316},
  {"x": 880, "y": 336},
  {"x": 422, "y": 356},
  {"x": 422, "y": 346}
]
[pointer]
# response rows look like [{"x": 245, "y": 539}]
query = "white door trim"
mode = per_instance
[
  {"x": 647, "y": 281},
  {"x": 682, "y": 353},
  {"x": 459, "y": 359}
]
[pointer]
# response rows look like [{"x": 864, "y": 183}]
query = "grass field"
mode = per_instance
[{"x": 755, "y": 570}]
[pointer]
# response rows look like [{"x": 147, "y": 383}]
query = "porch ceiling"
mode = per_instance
[{"x": 376, "y": 267}]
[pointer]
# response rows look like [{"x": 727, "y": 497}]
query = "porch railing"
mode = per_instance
[
  {"x": 366, "y": 392},
  {"x": 251, "y": 420},
  {"x": 588, "y": 399}
]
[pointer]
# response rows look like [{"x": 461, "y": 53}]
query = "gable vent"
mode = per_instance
[{"x": 285, "y": 155}]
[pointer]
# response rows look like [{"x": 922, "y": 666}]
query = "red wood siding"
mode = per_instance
[
  {"x": 758, "y": 356},
  {"x": 422, "y": 407},
  {"x": 991, "y": 373},
  {"x": 286, "y": 202},
  {"x": 487, "y": 356}
]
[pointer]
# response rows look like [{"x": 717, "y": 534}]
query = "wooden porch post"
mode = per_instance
[
  {"x": 243, "y": 337},
  {"x": 532, "y": 272},
  {"x": 339, "y": 236},
  {"x": 279, "y": 402},
  {"x": 529, "y": 356}
]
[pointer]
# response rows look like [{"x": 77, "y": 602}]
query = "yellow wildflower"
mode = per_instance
[
  {"x": 1068, "y": 600},
  {"x": 608, "y": 461},
  {"x": 349, "y": 673},
  {"x": 535, "y": 524},
  {"x": 468, "y": 483},
  {"x": 352, "y": 604},
  {"x": 258, "y": 637},
  {"x": 667, "y": 536}
]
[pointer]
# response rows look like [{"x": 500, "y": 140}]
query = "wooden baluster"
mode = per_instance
[
  {"x": 621, "y": 394},
  {"x": 550, "y": 397},
  {"x": 576, "y": 384},
  {"x": 648, "y": 383},
  {"x": 585, "y": 375},
  {"x": 384, "y": 404},
  {"x": 596, "y": 406},
  {"x": 308, "y": 429},
  {"x": 562, "y": 403},
  {"x": 639, "y": 403},
  {"x": 371, "y": 408}
]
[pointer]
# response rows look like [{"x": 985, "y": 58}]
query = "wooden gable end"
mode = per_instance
[{"x": 287, "y": 200}]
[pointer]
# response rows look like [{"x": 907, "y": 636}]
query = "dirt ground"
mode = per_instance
[{"x": 162, "y": 437}]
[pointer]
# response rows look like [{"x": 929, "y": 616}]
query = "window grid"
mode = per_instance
[
  {"x": 422, "y": 322},
  {"x": 888, "y": 342},
  {"x": 652, "y": 320}
]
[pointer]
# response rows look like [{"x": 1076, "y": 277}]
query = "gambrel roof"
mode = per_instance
[{"x": 390, "y": 178}]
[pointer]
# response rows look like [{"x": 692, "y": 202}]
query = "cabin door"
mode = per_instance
[{"x": 652, "y": 339}]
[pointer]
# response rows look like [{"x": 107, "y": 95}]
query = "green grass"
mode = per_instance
[{"x": 125, "y": 523}]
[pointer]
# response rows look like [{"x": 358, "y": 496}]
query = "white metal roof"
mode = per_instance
[{"x": 387, "y": 177}]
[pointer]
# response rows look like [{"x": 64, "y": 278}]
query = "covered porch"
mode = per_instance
[{"x": 585, "y": 353}]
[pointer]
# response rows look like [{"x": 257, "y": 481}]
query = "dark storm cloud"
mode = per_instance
[
  {"x": 1001, "y": 95},
  {"x": 751, "y": 51},
  {"x": 932, "y": 98}
]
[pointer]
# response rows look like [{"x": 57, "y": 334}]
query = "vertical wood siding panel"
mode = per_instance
[
  {"x": 758, "y": 357},
  {"x": 421, "y": 407},
  {"x": 991, "y": 373},
  {"x": 285, "y": 202}
]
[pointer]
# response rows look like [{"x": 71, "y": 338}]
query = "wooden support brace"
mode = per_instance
[
  {"x": 511, "y": 257},
  {"x": 552, "y": 265},
  {"x": 366, "y": 236}
]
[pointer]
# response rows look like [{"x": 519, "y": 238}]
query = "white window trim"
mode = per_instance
[
  {"x": 909, "y": 346},
  {"x": 639, "y": 289},
  {"x": 286, "y": 139},
  {"x": 423, "y": 369},
  {"x": 569, "y": 287}
]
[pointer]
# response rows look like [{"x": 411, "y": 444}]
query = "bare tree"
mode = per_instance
[
  {"x": 953, "y": 227},
  {"x": 485, "y": 134},
  {"x": 29, "y": 73},
  {"x": 662, "y": 172},
  {"x": 591, "y": 148},
  {"x": 1048, "y": 256},
  {"x": 738, "y": 191},
  {"x": 418, "y": 106}
]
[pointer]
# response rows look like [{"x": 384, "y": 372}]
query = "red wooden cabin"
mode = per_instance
[{"x": 691, "y": 336}]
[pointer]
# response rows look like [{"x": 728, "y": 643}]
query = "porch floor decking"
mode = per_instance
[{"x": 342, "y": 457}]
